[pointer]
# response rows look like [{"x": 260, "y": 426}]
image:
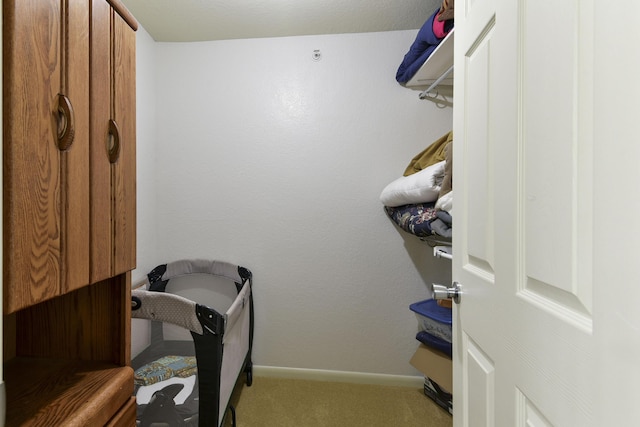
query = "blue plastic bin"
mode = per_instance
[{"x": 434, "y": 319}]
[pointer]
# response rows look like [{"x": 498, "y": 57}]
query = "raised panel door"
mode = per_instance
[
  {"x": 45, "y": 142},
  {"x": 113, "y": 167},
  {"x": 75, "y": 160},
  {"x": 101, "y": 96},
  {"x": 124, "y": 169},
  {"x": 524, "y": 236}
]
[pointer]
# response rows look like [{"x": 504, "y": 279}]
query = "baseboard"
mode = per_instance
[
  {"x": 3, "y": 404},
  {"x": 338, "y": 376}
]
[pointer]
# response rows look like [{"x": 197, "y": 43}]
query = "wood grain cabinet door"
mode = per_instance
[
  {"x": 113, "y": 143},
  {"x": 45, "y": 143}
]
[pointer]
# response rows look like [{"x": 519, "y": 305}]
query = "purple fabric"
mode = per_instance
[{"x": 425, "y": 43}]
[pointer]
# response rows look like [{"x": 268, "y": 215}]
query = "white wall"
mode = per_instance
[
  {"x": 271, "y": 160},
  {"x": 146, "y": 156}
]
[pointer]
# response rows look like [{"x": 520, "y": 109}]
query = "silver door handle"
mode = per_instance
[{"x": 442, "y": 292}]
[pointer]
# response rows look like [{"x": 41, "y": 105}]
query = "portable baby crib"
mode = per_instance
[{"x": 201, "y": 340}]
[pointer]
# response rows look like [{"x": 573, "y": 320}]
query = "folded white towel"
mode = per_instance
[{"x": 420, "y": 187}]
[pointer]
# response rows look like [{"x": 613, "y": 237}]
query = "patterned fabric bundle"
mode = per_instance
[{"x": 165, "y": 368}]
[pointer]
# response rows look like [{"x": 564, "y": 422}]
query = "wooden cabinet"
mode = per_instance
[
  {"x": 69, "y": 211},
  {"x": 69, "y": 144},
  {"x": 113, "y": 167},
  {"x": 46, "y": 150}
]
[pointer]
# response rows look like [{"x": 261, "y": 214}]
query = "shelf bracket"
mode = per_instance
[{"x": 427, "y": 91}]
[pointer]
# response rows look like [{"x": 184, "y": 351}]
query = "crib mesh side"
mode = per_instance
[{"x": 220, "y": 348}]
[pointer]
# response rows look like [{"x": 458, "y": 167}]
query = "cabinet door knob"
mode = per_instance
[
  {"x": 113, "y": 145},
  {"x": 66, "y": 123}
]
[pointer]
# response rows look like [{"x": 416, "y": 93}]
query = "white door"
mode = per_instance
[{"x": 547, "y": 207}]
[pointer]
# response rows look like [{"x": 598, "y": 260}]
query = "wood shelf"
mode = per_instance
[
  {"x": 436, "y": 65},
  {"x": 46, "y": 392}
]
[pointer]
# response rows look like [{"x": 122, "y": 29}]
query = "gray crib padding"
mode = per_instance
[
  {"x": 169, "y": 308},
  {"x": 188, "y": 266},
  {"x": 237, "y": 308},
  {"x": 226, "y": 296}
]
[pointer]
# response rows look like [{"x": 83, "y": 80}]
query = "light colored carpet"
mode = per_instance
[{"x": 276, "y": 402}]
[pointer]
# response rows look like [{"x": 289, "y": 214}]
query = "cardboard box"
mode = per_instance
[{"x": 434, "y": 365}]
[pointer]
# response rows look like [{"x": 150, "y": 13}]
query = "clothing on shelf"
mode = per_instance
[
  {"x": 434, "y": 153},
  {"x": 446, "y": 10},
  {"x": 427, "y": 40},
  {"x": 421, "y": 201}
]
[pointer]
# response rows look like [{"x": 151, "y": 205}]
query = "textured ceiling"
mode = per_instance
[{"x": 198, "y": 20}]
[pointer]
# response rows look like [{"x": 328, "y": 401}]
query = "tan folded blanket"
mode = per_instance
[
  {"x": 446, "y": 10},
  {"x": 447, "y": 181},
  {"x": 431, "y": 155}
]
